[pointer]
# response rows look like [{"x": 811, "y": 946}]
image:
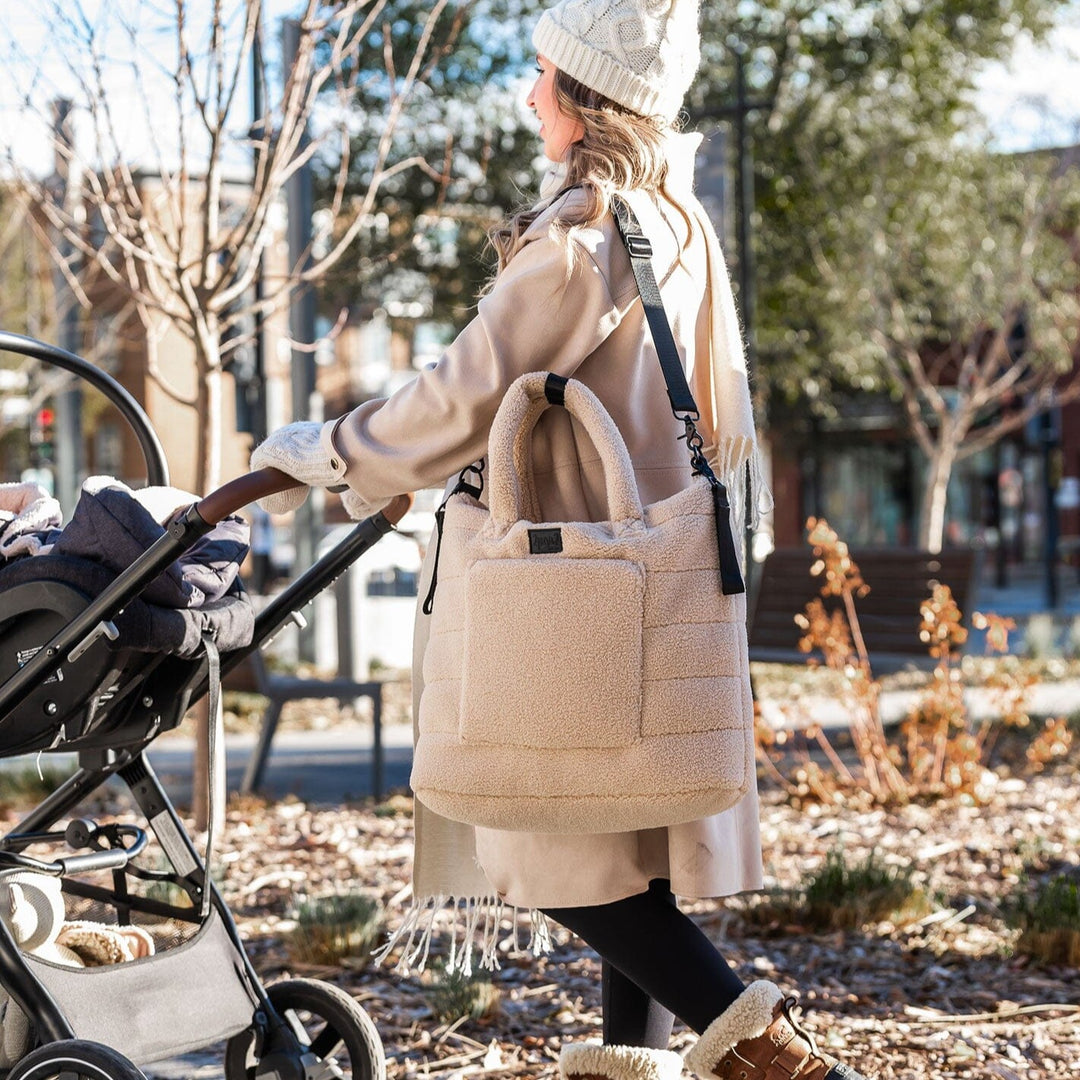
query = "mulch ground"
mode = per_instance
[{"x": 944, "y": 995}]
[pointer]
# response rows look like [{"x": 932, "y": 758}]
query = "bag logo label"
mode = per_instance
[{"x": 545, "y": 541}]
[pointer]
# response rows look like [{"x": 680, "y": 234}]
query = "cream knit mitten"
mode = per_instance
[
  {"x": 296, "y": 449},
  {"x": 593, "y": 1061}
]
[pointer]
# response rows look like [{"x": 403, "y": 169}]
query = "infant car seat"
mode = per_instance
[{"x": 69, "y": 702}]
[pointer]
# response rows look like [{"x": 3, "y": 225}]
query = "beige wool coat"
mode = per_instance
[{"x": 578, "y": 317}]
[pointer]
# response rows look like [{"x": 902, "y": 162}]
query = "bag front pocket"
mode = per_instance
[{"x": 552, "y": 655}]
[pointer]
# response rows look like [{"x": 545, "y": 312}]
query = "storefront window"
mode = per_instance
[{"x": 866, "y": 495}]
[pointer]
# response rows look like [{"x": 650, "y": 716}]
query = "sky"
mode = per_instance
[{"x": 1033, "y": 101}]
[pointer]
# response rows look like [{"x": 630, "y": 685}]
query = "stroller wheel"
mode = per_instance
[
  {"x": 328, "y": 1024},
  {"x": 75, "y": 1058}
]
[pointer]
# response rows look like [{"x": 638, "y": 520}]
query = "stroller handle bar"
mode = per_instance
[
  {"x": 245, "y": 489},
  {"x": 196, "y": 521},
  {"x": 157, "y": 469}
]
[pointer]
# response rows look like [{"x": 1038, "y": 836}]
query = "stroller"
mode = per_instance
[{"x": 72, "y": 678}]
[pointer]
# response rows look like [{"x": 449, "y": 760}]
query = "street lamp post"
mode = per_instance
[
  {"x": 300, "y": 197},
  {"x": 68, "y": 401},
  {"x": 1051, "y": 452}
]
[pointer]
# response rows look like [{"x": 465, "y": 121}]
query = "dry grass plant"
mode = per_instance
[
  {"x": 941, "y": 749},
  {"x": 1049, "y": 923},
  {"x": 454, "y": 996},
  {"x": 845, "y": 894},
  {"x": 29, "y": 785},
  {"x": 332, "y": 928},
  {"x": 840, "y": 894}
]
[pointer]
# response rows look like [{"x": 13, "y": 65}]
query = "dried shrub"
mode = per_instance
[
  {"x": 942, "y": 750},
  {"x": 453, "y": 996},
  {"x": 1049, "y": 923},
  {"x": 1053, "y": 742},
  {"x": 945, "y": 749},
  {"x": 838, "y": 637},
  {"x": 331, "y": 928}
]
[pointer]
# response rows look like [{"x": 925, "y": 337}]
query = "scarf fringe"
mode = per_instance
[
  {"x": 730, "y": 462},
  {"x": 478, "y": 924}
]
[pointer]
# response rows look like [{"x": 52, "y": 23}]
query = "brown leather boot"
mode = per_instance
[
  {"x": 593, "y": 1061},
  {"x": 757, "y": 1038}
]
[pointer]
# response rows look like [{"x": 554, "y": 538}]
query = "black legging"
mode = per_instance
[{"x": 657, "y": 965}]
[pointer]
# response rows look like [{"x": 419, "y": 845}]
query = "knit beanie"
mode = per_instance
[{"x": 643, "y": 54}]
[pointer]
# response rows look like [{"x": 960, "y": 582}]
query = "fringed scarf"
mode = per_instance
[{"x": 474, "y": 925}]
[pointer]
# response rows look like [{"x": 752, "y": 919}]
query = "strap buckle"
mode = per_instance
[{"x": 638, "y": 246}]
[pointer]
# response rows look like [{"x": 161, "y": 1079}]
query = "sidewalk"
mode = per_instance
[
  {"x": 1025, "y": 594},
  {"x": 319, "y": 767},
  {"x": 1046, "y": 699}
]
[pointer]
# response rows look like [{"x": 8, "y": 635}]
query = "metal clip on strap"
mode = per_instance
[
  {"x": 462, "y": 487},
  {"x": 638, "y": 246}
]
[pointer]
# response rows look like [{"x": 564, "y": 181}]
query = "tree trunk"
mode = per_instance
[
  {"x": 932, "y": 512},
  {"x": 208, "y": 407},
  {"x": 208, "y": 477}
]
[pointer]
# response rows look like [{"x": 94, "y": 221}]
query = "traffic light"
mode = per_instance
[{"x": 43, "y": 437}]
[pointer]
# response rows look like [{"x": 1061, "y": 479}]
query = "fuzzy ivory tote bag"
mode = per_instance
[
  {"x": 586, "y": 677},
  {"x": 581, "y": 677}
]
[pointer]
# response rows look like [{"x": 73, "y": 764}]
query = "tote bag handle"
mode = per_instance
[{"x": 512, "y": 493}]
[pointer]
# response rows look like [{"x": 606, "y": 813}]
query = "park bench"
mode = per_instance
[
  {"x": 900, "y": 580},
  {"x": 278, "y": 689}
]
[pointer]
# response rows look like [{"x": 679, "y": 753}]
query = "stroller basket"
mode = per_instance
[{"x": 217, "y": 1005}]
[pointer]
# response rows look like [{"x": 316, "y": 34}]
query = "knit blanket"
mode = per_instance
[{"x": 30, "y": 519}]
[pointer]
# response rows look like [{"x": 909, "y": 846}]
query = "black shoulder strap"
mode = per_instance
[
  {"x": 640, "y": 250},
  {"x": 682, "y": 400}
]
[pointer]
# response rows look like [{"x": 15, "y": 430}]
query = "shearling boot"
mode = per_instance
[
  {"x": 592, "y": 1061},
  {"x": 757, "y": 1038}
]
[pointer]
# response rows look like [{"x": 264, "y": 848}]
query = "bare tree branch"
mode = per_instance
[{"x": 183, "y": 246}]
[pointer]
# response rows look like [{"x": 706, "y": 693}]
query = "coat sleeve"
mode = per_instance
[{"x": 541, "y": 315}]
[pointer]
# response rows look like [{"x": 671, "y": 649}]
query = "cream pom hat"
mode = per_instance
[{"x": 643, "y": 54}]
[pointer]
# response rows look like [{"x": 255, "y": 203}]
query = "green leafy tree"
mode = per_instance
[
  {"x": 428, "y": 228},
  {"x": 894, "y": 252},
  {"x": 892, "y": 249},
  {"x": 969, "y": 303}
]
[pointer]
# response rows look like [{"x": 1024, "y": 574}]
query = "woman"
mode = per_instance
[{"x": 612, "y": 75}]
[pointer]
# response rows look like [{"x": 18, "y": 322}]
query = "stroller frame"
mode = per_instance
[{"x": 270, "y": 1035}]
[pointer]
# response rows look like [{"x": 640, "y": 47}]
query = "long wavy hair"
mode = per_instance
[{"x": 619, "y": 151}]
